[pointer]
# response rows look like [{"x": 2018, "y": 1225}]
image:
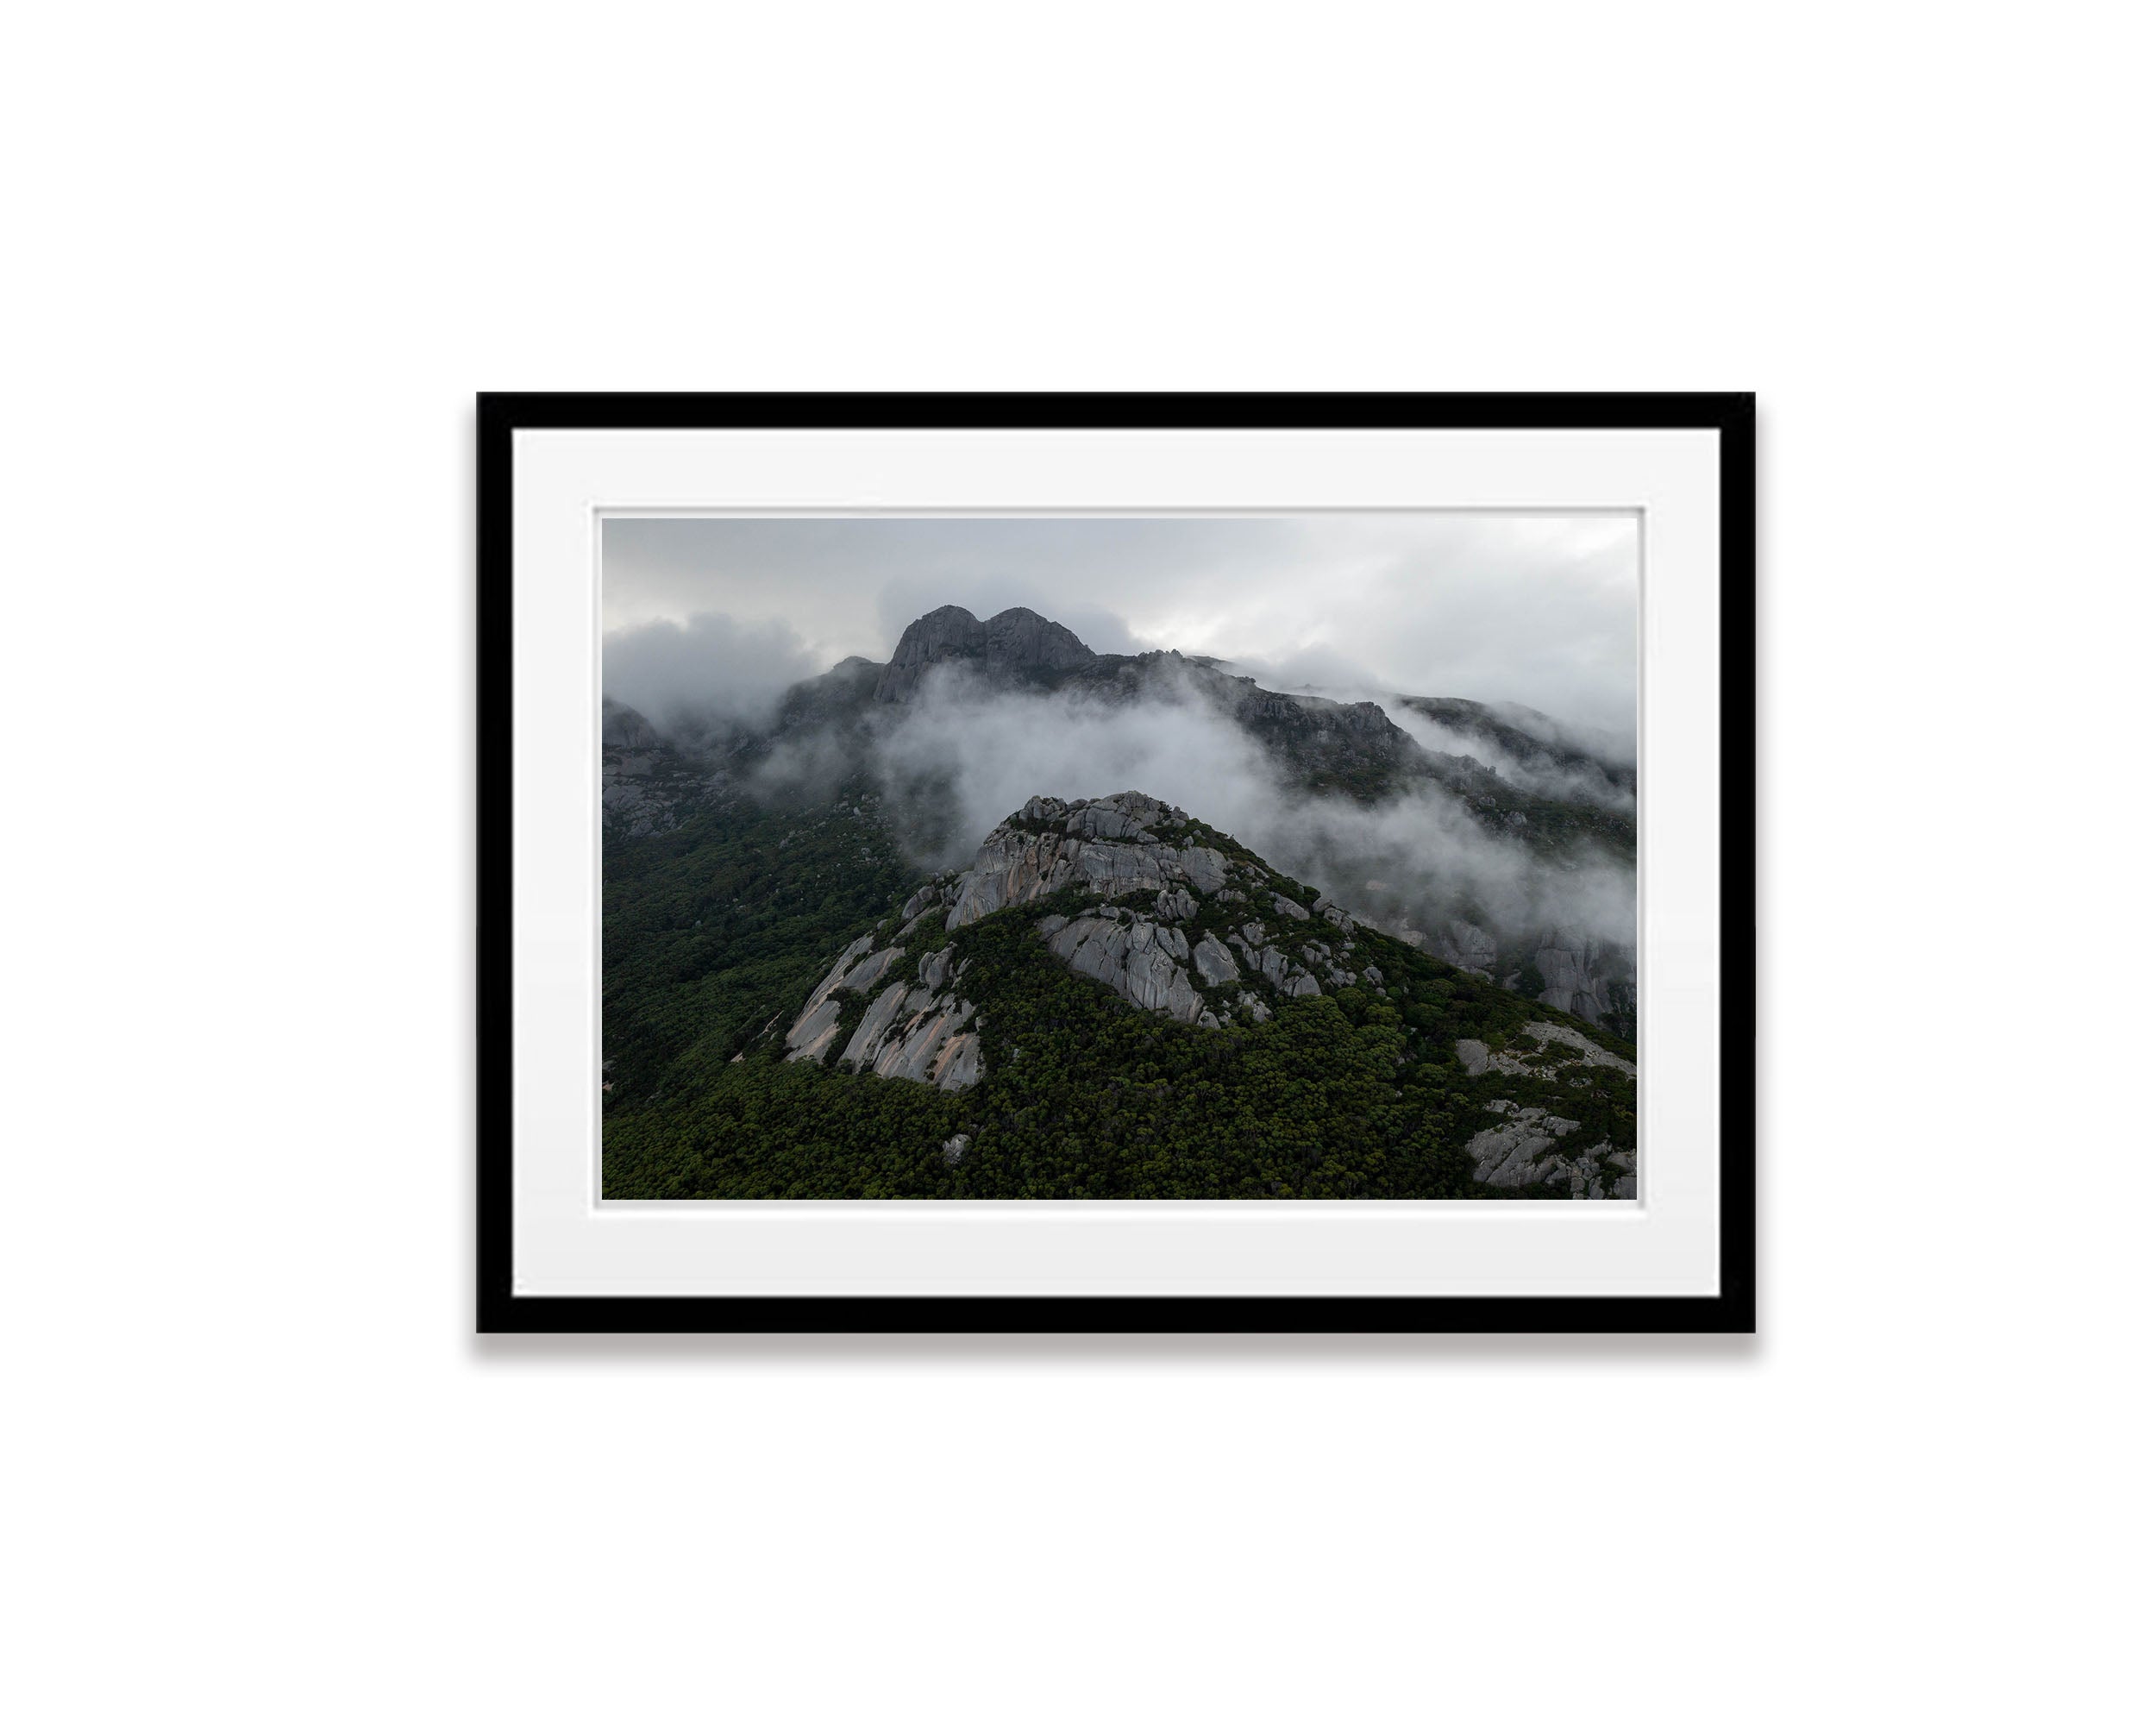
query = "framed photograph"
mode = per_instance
[{"x": 1050, "y": 862}]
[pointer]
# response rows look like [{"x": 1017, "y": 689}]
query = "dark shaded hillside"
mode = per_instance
[{"x": 711, "y": 929}]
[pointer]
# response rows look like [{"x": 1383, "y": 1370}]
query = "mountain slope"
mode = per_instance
[
  {"x": 1560, "y": 825},
  {"x": 1117, "y": 1001},
  {"x": 1350, "y": 749}
]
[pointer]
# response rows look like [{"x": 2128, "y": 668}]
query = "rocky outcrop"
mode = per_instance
[
  {"x": 1549, "y": 1050},
  {"x": 1588, "y": 978},
  {"x": 814, "y": 1031},
  {"x": 644, "y": 781},
  {"x": 949, "y": 633},
  {"x": 1155, "y": 955},
  {"x": 1142, "y": 961},
  {"x": 1523, "y": 1150},
  {"x": 1468, "y": 947},
  {"x": 1109, "y": 846},
  {"x": 1118, "y": 844},
  {"x": 917, "y": 1030},
  {"x": 1319, "y": 729},
  {"x": 1026, "y": 640},
  {"x": 917, "y": 1034},
  {"x": 1215, "y": 964},
  {"x": 1014, "y": 645},
  {"x": 625, "y": 728}
]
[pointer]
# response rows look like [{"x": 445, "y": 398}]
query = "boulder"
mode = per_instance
[
  {"x": 1176, "y": 904},
  {"x": 1215, "y": 964},
  {"x": 1573, "y": 1047},
  {"x": 1141, "y": 961},
  {"x": 1207, "y": 868}
]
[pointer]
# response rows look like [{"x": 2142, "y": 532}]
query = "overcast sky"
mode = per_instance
[{"x": 1542, "y": 610}]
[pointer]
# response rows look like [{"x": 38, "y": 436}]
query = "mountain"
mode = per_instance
[
  {"x": 1552, "y": 818},
  {"x": 825, "y": 945},
  {"x": 1349, "y": 748},
  {"x": 1114, "y": 999},
  {"x": 1014, "y": 644}
]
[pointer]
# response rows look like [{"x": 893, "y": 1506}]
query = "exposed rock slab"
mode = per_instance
[
  {"x": 1109, "y": 846},
  {"x": 1572, "y": 1047},
  {"x": 1523, "y": 1150},
  {"x": 1141, "y": 961},
  {"x": 1009, "y": 646},
  {"x": 1591, "y": 979},
  {"x": 1216, "y": 964}
]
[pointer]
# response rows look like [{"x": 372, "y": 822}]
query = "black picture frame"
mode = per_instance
[{"x": 1731, "y": 1310}]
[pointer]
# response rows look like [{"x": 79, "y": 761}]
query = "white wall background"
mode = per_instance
[{"x": 259, "y": 257}]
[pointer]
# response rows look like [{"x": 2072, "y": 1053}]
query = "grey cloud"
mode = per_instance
[
  {"x": 1535, "y": 609},
  {"x": 685, "y": 676},
  {"x": 990, "y": 751}
]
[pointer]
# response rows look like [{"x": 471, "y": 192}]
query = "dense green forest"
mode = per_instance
[
  {"x": 717, "y": 931},
  {"x": 714, "y": 928}
]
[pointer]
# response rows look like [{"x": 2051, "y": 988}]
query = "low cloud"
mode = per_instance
[
  {"x": 711, "y": 671},
  {"x": 1537, "y": 777},
  {"x": 1415, "y": 860},
  {"x": 1331, "y": 676},
  {"x": 1492, "y": 606}
]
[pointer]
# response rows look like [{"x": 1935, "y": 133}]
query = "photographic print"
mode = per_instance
[{"x": 1170, "y": 857}]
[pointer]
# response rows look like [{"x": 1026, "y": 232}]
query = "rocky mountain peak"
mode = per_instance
[
  {"x": 1015, "y": 641},
  {"x": 1172, "y": 917},
  {"x": 1025, "y": 638}
]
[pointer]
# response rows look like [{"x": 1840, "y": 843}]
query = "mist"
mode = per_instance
[
  {"x": 708, "y": 673},
  {"x": 1416, "y": 859},
  {"x": 1539, "y": 778},
  {"x": 1490, "y": 605},
  {"x": 1331, "y": 676}
]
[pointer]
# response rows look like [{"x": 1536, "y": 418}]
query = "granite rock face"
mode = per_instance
[
  {"x": 1467, "y": 947},
  {"x": 1008, "y": 647},
  {"x": 917, "y": 1034},
  {"x": 1216, "y": 964},
  {"x": 1156, "y": 938},
  {"x": 1142, "y": 961},
  {"x": 646, "y": 784},
  {"x": 1551, "y": 1050},
  {"x": 917, "y": 1030},
  {"x": 1588, "y": 978},
  {"x": 1526, "y": 1148},
  {"x": 1109, "y": 846},
  {"x": 1524, "y": 1151}
]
